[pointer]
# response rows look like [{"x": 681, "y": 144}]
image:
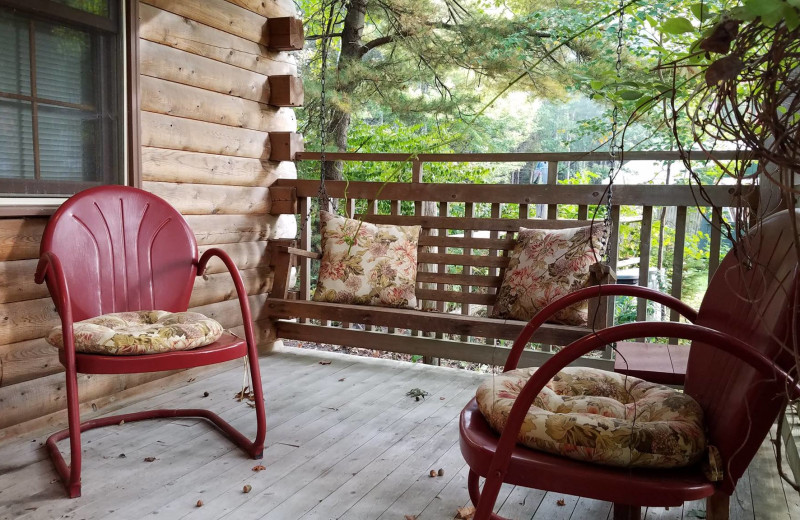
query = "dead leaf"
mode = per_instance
[
  {"x": 465, "y": 512},
  {"x": 561, "y": 502},
  {"x": 191, "y": 379},
  {"x": 342, "y": 379},
  {"x": 205, "y": 394},
  {"x": 199, "y": 503},
  {"x": 122, "y": 422},
  {"x": 259, "y": 468},
  {"x": 149, "y": 459},
  {"x": 324, "y": 362},
  {"x": 247, "y": 488},
  {"x": 440, "y": 472},
  {"x": 432, "y": 473},
  {"x": 410, "y": 517}
]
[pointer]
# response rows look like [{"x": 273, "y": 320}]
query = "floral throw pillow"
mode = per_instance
[
  {"x": 545, "y": 265},
  {"x": 367, "y": 264}
]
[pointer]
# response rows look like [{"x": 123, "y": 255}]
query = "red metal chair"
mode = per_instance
[
  {"x": 742, "y": 367},
  {"x": 115, "y": 249}
]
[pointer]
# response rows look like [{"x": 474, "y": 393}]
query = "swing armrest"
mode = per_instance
[
  {"x": 283, "y": 255},
  {"x": 599, "y": 274}
]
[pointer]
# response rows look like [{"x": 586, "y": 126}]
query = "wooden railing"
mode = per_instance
[{"x": 503, "y": 208}]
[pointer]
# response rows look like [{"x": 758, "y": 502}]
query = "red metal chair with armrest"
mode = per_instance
[
  {"x": 742, "y": 368},
  {"x": 115, "y": 249}
]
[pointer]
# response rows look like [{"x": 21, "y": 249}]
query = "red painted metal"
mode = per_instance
[
  {"x": 115, "y": 249},
  {"x": 738, "y": 371}
]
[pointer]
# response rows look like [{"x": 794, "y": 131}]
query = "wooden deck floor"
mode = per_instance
[{"x": 344, "y": 441}]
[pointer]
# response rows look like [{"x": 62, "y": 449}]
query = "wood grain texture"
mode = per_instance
[
  {"x": 159, "y": 164},
  {"x": 217, "y": 287},
  {"x": 175, "y": 133},
  {"x": 16, "y": 281},
  {"x": 230, "y": 229},
  {"x": 20, "y": 238},
  {"x": 207, "y": 199},
  {"x": 164, "y": 62},
  {"x": 219, "y": 14},
  {"x": 246, "y": 255},
  {"x": 29, "y": 319},
  {"x": 26, "y": 360},
  {"x": 268, "y": 8},
  {"x": 159, "y": 26}
]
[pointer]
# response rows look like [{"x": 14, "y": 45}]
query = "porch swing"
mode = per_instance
[{"x": 285, "y": 305}]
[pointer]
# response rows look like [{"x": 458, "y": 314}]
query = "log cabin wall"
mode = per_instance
[{"x": 205, "y": 148}]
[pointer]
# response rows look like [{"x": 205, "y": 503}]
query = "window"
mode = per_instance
[{"x": 60, "y": 96}]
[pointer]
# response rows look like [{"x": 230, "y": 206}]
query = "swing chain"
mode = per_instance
[
  {"x": 323, "y": 199},
  {"x": 614, "y": 149}
]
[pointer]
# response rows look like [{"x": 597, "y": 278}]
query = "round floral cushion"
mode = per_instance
[
  {"x": 602, "y": 417},
  {"x": 140, "y": 332}
]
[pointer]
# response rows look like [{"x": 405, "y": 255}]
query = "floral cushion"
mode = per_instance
[
  {"x": 601, "y": 417},
  {"x": 545, "y": 265},
  {"x": 140, "y": 332},
  {"x": 367, "y": 264}
]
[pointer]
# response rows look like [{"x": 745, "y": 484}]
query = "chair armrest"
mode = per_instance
[
  {"x": 49, "y": 268},
  {"x": 283, "y": 256},
  {"x": 598, "y": 291},
  {"x": 241, "y": 292},
  {"x": 689, "y": 331}
]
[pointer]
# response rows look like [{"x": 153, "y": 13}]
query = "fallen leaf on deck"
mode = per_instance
[
  {"x": 411, "y": 517},
  {"x": 122, "y": 455},
  {"x": 561, "y": 502},
  {"x": 122, "y": 422},
  {"x": 342, "y": 379},
  {"x": 259, "y": 468},
  {"x": 432, "y": 473},
  {"x": 191, "y": 379},
  {"x": 696, "y": 513},
  {"x": 199, "y": 503},
  {"x": 205, "y": 394},
  {"x": 149, "y": 459},
  {"x": 465, "y": 512},
  {"x": 324, "y": 362},
  {"x": 440, "y": 472},
  {"x": 247, "y": 488}
]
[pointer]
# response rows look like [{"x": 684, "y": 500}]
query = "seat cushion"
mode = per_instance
[
  {"x": 602, "y": 417},
  {"x": 140, "y": 332},
  {"x": 545, "y": 265},
  {"x": 367, "y": 264}
]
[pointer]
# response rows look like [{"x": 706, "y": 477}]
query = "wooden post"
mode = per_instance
[
  {"x": 285, "y": 34},
  {"x": 284, "y": 146},
  {"x": 282, "y": 200},
  {"x": 286, "y": 91}
]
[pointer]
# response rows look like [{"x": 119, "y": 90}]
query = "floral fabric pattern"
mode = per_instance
[
  {"x": 367, "y": 264},
  {"x": 140, "y": 332},
  {"x": 545, "y": 265},
  {"x": 601, "y": 417}
]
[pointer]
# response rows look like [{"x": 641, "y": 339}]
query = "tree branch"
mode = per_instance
[{"x": 321, "y": 36}]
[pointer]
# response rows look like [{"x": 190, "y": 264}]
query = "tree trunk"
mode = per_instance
[{"x": 352, "y": 50}]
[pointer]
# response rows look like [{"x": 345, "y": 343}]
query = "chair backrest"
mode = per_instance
[
  {"x": 122, "y": 249},
  {"x": 752, "y": 296}
]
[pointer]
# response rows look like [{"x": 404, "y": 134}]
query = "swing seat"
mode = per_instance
[
  {"x": 741, "y": 371},
  {"x": 120, "y": 264}
]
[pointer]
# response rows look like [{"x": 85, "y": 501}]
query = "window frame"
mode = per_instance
[{"x": 122, "y": 80}]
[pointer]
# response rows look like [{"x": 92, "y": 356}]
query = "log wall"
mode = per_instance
[{"x": 205, "y": 123}]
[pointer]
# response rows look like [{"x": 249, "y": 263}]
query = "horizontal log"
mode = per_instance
[
  {"x": 163, "y": 27},
  {"x": 246, "y": 255},
  {"x": 208, "y": 199},
  {"x": 270, "y": 9},
  {"x": 159, "y": 164},
  {"x": 420, "y": 320},
  {"x": 431, "y": 347},
  {"x": 228, "y": 229},
  {"x": 175, "y": 133},
  {"x": 26, "y": 360},
  {"x": 472, "y": 280},
  {"x": 20, "y": 238},
  {"x": 217, "y": 287},
  {"x": 29, "y": 319},
  {"x": 16, "y": 281},
  {"x": 219, "y": 14},
  {"x": 191, "y": 71},
  {"x": 228, "y": 313},
  {"x": 624, "y": 194}
]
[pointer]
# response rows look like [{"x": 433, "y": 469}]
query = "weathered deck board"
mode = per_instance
[{"x": 343, "y": 442}]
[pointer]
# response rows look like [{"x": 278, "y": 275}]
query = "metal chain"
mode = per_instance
[
  {"x": 322, "y": 196},
  {"x": 614, "y": 150}
]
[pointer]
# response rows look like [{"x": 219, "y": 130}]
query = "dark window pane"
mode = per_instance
[
  {"x": 99, "y": 7},
  {"x": 68, "y": 144},
  {"x": 15, "y": 63},
  {"x": 64, "y": 64},
  {"x": 16, "y": 140}
]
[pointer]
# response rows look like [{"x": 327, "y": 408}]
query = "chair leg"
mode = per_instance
[
  {"x": 473, "y": 485},
  {"x": 70, "y": 475},
  {"x": 718, "y": 506},
  {"x": 257, "y": 449},
  {"x": 627, "y": 512}
]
